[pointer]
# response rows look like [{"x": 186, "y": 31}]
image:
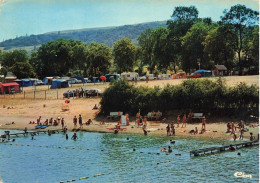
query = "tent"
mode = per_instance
[
  {"x": 7, "y": 87},
  {"x": 95, "y": 80},
  {"x": 79, "y": 78},
  {"x": 47, "y": 79},
  {"x": 59, "y": 83},
  {"x": 108, "y": 76},
  {"x": 204, "y": 73},
  {"x": 26, "y": 82}
]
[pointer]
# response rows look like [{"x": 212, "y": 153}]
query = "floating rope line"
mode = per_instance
[{"x": 94, "y": 149}]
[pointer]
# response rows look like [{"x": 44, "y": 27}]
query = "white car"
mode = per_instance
[
  {"x": 74, "y": 81},
  {"x": 150, "y": 76}
]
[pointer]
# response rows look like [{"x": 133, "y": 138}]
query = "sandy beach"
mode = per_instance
[{"x": 22, "y": 111}]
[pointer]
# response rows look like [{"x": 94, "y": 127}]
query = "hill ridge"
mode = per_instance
[{"x": 107, "y": 35}]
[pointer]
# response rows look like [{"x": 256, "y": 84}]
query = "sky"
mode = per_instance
[{"x": 26, "y": 17}]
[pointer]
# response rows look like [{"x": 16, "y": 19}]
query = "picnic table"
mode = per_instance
[
  {"x": 114, "y": 115},
  {"x": 197, "y": 117}
]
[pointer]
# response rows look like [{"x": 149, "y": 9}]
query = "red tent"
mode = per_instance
[{"x": 7, "y": 87}]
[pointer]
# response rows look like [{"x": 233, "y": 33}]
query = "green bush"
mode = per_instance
[{"x": 197, "y": 95}]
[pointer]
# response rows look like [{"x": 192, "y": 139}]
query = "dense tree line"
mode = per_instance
[
  {"x": 190, "y": 43},
  {"x": 205, "y": 95},
  {"x": 187, "y": 43}
]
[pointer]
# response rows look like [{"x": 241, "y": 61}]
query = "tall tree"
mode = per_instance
[
  {"x": 251, "y": 51},
  {"x": 220, "y": 46},
  {"x": 181, "y": 21},
  {"x": 240, "y": 17},
  {"x": 161, "y": 48},
  {"x": 145, "y": 42},
  {"x": 9, "y": 58},
  {"x": 193, "y": 48},
  {"x": 124, "y": 52},
  {"x": 99, "y": 59},
  {"x": 59, "y": 57},
  {"x": 23, "y": 70}
]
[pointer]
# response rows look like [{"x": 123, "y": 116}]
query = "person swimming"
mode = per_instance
[
  {"x": 163, "y": 150},
  {"x": 169, "y": 149},
  {"x": 74, "y": 136}
]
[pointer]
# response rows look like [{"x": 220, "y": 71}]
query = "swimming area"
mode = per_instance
[{"x": 105, "y": 157}]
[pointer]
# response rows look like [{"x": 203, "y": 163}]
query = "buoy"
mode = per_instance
[
  {"x": 149, "y": 153},
  {"x": 83, "y": 178},
  {"x": 46, "y": 146},
  {"x": 98, "y": 175},
  {"x": 133, "y": 149},
  {"x": 87, "y": 149},
  {"x": 59, "y": 147},
  {"x": 102, "y": 150},
  {"x": 158, "y": 163},
  {"x": 158, "y": 153},
  {"x": 28, "y": 145},
  {"x": 95, "y": 149},
  {"x": 12, "y": 144},
  {"x": 40, "y": 146},
  {"x": 73, "y": 147},
  {"x": 73, "y": 180}
]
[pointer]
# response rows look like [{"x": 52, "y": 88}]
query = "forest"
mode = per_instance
[{"x": 186, "y": 43}]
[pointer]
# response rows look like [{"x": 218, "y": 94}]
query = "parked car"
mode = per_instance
[
  {"x": 150, "y": 76},
  {"x": 164, "y": 76},
  {"x": 195, "y": 75},
  {"x": 74, "y": 81},
  {"x": 39, "y": 82},
  {"x": 69, "y": 93},
  {"x": 87, "y": 80},
  {"x": 92, "y": 92}
]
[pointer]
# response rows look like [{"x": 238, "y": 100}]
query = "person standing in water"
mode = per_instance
[{"x": 74, "y": 136}]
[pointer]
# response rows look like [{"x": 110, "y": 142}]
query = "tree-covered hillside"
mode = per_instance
[{"x": 106, "y": 35}]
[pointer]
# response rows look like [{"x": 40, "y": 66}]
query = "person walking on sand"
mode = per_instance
[
  {"x": 178, "y": 120},
  {"x": 75, "y": 121},
  {"x": 203, "y": 127},
  {"x": 80, "y": 121},
  {"x": 233, "y": 127},
  {"x": 168, "y": 130},
  {"x": 184, "y": 119},
  {"x": 62, "y": 123}
]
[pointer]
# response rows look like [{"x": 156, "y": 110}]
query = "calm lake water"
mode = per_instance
[{"x": 110, "y": 158}]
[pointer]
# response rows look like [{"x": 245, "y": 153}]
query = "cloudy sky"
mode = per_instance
[{"x": 21, "y": 17}]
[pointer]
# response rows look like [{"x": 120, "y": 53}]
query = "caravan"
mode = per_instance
[{"x": 130, "y": 76}]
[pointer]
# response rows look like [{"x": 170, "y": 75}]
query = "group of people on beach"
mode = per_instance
[
  {"x": 80, "y": 121},
  {"x": 51, "y": 121}
]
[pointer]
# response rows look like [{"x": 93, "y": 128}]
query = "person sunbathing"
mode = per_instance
[{"x": 95, "y": 107}]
